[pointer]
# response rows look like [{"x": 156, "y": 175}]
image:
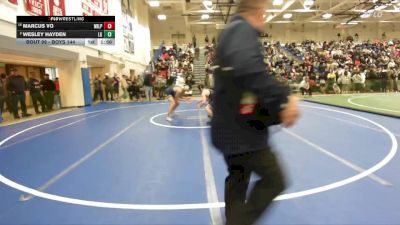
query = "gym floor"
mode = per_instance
[{"x": 125, "y": 164}]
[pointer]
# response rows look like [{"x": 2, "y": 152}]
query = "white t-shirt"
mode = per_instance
[
  {"x": 391, "y": 65},
  {"x": 362, "y": 77},
  {"x": 180, "y": 81}
]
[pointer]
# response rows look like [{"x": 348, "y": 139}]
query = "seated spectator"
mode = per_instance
[{"x": 305, "y": 86}]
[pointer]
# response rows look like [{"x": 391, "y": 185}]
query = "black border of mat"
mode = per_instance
[{"x": 345, "y": 107}]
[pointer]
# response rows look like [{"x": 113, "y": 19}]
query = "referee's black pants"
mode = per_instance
[{"x": 240, "y": 210}]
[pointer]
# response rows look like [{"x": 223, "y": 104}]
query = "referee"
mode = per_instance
[{"x": 246, "y": 101}]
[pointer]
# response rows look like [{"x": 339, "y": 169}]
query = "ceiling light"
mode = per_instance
[
  {"x": 207, "y": 3},
  {"x": 308, "y": 3},
  {"x": 154, "y": 3},
  {"x": 162, "y": 17},
  {"x": 277, "y": 2},
  {"x": 287, "y": 15},
  {"x": 205, "y": 17},
  {"x": 284, "y": 7},
  {"x": 327, "y": 16}
]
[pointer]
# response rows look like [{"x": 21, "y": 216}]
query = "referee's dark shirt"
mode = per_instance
[{"x": 233, "y": 130}]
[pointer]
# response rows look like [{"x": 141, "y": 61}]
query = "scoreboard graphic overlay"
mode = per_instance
[{"x": 66, "y": 30}]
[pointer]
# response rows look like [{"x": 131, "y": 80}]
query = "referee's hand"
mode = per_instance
[{"x": 291, "y": 113}]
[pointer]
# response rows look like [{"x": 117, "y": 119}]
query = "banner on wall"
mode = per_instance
[
  {"x": 126, "y": 44},
  {"x": 15, "y": 2},
  {"x": 96, "y": 3},
  {"x": 105, "y": 7},
  {"x": 86, "y": 10},
  {"x": 94, "y": 7},
  {"x": 57, "y": 7},
  {"x": 35, "y": 7},
  {"x": 127, "y": 27}
]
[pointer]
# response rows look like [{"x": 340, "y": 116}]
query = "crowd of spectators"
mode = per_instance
[
  {"x": 44, "y": 93},
  {"x": 174, "y": 66},
  {"x": 337, "y": 66}
]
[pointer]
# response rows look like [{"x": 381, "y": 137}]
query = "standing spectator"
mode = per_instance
[
  {"x": 16, "y": 86},
  {"x": 116, "y": 87},
  {"x": 345, "y": 80},
  {"x": 161, "y": 81},
  {"x": 239, "y": 128},
  {"x": 206, "y": 39},
  {"x": 3, "y": 95},
  {"x": 130, "y": 89},
  {"x": 138, "y": 83},
  {"x": 108, "y": 82},
  {"x": 363, "y": 76},
  {"x": 397, "y": 79},
  {"x": 372, "y": 78},
  {"x": 194, "y": 40},
  {"x": 383, "y": 74},
  {"x": 124, "y": 87},
  {"x": 98, "y": 88},
  {"x": 35, "y": 92},
  {"x": 134, "y": 90},
  {"x": 7, "y": 99},
  {"x": 357, "y": 80},
  {"x": 214, "y": 43},
  {"x": 57, "y": 97},
  {"x": 48, "y": 88},
  {"x": 197, "y": 53},
  {"x": 148, "y": 85},
  {"x": 331, "y": 80},
  {"x": 391, "y": 79}
]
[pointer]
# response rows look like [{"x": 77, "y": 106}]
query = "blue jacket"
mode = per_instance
[{"x": 246, "y": 99}]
